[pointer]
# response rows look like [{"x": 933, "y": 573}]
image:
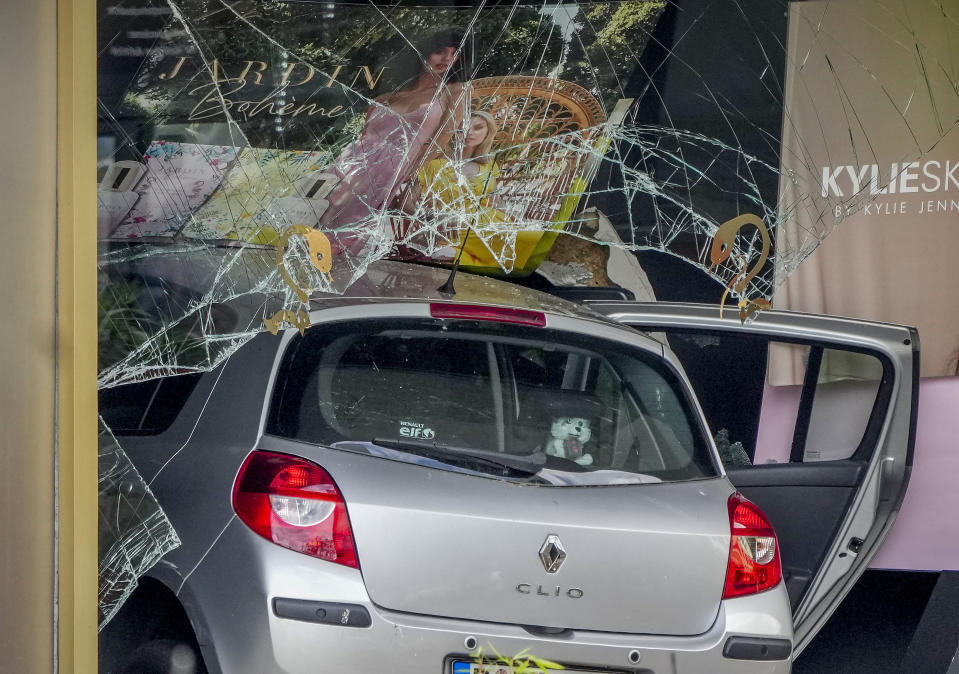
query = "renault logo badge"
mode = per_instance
[{"x": 552, "y": 554}]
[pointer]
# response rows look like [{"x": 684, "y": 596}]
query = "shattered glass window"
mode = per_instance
[
  {"x": 291, "y": 145},
  {"x": 133, "y": 531}
]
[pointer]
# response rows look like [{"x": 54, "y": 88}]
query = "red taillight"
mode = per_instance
[
  {"x": 478, "y": 312},
  {"x": 753, "y": 550},
  {"x": 296, "y": 504}
]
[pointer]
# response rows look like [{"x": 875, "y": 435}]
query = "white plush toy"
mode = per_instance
[{"x": 568, "y": 436}]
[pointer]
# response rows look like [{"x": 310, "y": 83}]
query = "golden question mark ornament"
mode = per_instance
[
  {"x": 722, "y": 248},
  {"x": 300, "y": 320},
  {"x": 321, "y": 257}
]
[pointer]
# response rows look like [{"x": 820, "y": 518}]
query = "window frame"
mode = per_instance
[{"x": 873, "y": 426}]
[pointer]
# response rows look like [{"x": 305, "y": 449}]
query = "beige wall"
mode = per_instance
[{"x": 27, "y": 341}]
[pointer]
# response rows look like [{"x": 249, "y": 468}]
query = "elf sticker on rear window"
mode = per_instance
[{"x": 412, "y": 429}]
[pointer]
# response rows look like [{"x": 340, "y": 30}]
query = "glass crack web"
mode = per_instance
[
  {"x": 241, "y": 119},
  {"x": 133, "y": 531},
  {"x": 339, "y": 134}
]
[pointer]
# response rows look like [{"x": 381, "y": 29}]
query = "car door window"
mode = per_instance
[
  {"x": 770, "y": 401},
  {"x": 147, "y": 407},
  {"x": 818, "y": 403},
  {"x": 847, "y": 387}
]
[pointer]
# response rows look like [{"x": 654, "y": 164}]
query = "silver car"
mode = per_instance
[{"x": 423, "y": 482}]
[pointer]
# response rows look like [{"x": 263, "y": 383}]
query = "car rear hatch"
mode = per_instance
[
  {"x": 468, "y": 499},
  {"x": 638, "y": 558}
]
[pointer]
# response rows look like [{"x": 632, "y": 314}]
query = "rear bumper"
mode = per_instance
[
  {"x": 408, "y": 644},
  {"x": 240, "y": 630}
]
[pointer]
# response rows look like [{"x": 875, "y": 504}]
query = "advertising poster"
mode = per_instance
[
  {"x": 888, "y": 173},
  {"x": 416, "y": 132}
]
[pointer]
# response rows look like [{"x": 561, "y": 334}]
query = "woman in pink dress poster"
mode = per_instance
[{"x": 402, "y": 129}]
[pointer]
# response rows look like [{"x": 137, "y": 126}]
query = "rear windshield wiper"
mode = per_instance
[{"x": 527, "y": 465}]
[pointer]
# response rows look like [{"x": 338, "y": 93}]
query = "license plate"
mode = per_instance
[{"x": 468, "y": 667}]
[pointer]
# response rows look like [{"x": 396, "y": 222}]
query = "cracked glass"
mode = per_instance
[
  {"x": 288, "y": 146},
  {"x": 133, "y": 531}
]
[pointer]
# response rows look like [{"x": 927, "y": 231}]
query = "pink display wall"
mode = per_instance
[{"x": 925, "y": 536}]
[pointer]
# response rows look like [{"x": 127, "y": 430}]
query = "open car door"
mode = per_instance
[{"x": 815, "y": 420}]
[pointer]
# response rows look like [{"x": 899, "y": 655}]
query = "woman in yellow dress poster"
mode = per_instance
[{"x": 458, "y": 195}]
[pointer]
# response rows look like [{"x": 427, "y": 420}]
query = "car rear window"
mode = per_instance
[{"x": 532, "y": 404}]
